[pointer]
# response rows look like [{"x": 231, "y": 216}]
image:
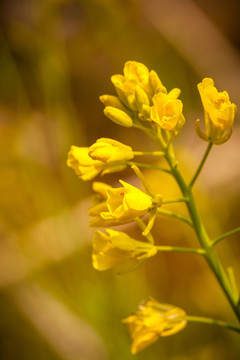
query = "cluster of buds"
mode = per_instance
[
  {"x": 142, "y": 97},
  {"x": 142, "y": 101}
]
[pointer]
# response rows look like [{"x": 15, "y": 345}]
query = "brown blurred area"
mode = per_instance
[{"x": 56, "y": 59}]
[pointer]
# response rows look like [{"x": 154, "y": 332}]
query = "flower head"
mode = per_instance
[
  {"x": 108, "y": 150},
  {"x": 167, "y": 111},
  {"x": 85, "y": 167},
  {"x": 153, "y": 320},
  {"x": 123, "y": 204},
  {"x": 219, "y": 113},
  {"x": 105, "y": 156},
  {"x": 115, "y": 247}
]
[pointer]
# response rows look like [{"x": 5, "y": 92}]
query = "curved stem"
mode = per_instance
[
  {"x": 181, "y": 249},
  {"x": 201, "y": 164},
  {"x": 143, "y": 180},
  {"x": 229, "y": 233},
  {"x": 143, "y": 226},
  {"x": 203, "y": 237},
  {"x": 210, "y": 321},
  {"x": 177, "y": 216},
  {"x": 152, "y": 217}
]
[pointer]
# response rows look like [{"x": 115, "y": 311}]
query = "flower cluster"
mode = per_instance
[
  {"x": 142, "y": 101},
  {"x": 142, "y": 97}
]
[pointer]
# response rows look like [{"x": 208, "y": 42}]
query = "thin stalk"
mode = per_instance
[
  {"x": 202, "y": 235},
  {"x": 146, "y": 131},
  {"x": 143, "y": 180},
  {"x": 227, "y": 234},
  {"x": 177, "y": 216},
  {"x": 151, "y": 153},
  {"x": 170, "y": 201},
  {"x": 180, "y": 249},
  {"x": 148, "y": 166},
  {"x": 201, "y": 164},
  {"x": 205, "y": 320}
]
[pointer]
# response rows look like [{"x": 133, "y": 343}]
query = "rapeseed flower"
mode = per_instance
[
  {"x": 109, "y": 150},
  {"x": 85, "y": 167},
  {"x": 219, "y": 113},
  {"x": 123, "y": 205},
  {"x": 115, "y": 247},
  {"x": 167, "y": 111},
  {"x": 154, "y": 320},
  {"x": 105, "y": 156}
]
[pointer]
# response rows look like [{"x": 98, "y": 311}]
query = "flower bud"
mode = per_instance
[
  {"x": 118, "y": 116},
  {"x": 114, "y": 101},
  {"x": 141, "y": 98}
]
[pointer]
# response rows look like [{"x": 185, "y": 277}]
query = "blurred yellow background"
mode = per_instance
[{"x": 56, "y": 59}]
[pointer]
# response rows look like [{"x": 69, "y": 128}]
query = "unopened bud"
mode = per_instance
[{"x": 118, "y": 116}]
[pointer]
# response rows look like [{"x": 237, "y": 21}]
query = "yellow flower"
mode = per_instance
[
  {"x": 105, "y": 156},
  {"x": 115, "y": 247},
  {"x": 85, "y": 167},
  {"x": 219, "y": 113},
  {"x": 153, "y": 320},
  {"x": 137, "y": 86},
  {"x": 123, "y": 204},
  {"x": 108, "y": 150},
  {"x": 167, "y": 111}
]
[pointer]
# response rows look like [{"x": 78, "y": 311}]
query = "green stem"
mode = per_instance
[
  {"x": 210, "y": 321},
  {"x": 151, "y": 153},
  {"x": 145, "y": 130},
  {"x": 148, "y": 166},
  {"x": 170, "y": 201},
  {"x": 201, "y": 164},
  {"x": 181, "y": 249},
  {"x": 229, "y": 233},
  {"x": 203, "y": 237},
  {"x": 177, "y": 216}
]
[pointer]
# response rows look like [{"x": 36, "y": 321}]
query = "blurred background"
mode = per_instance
[{"x": 56, "y": 59}]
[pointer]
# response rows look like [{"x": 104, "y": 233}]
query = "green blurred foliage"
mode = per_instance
[{"x": 56, "y": 59}]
